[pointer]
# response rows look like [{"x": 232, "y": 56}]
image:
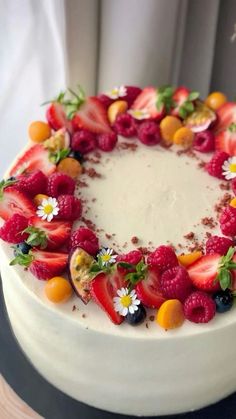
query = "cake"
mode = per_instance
[{"x": 120, "y": 212}]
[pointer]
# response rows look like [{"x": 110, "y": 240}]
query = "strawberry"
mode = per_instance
[
  {"x": 92, "y": 116},
  {"x": 104, "y": 288},
  {"x": 46, "y": 265},
  {"x": 56, "y": 117},
  {"x": 50, "y": 235},
  {"x": 204, "y": 271},
  {"x": 35, "y": 158},
  {"x": 180, "y": 96},
  {"x": 147, "y": 100},
  {"x": 13, "y": 201},
  {"x": 226, "y": 116},
  {"x": 226, "y": 140},
  {"x": 149, "y": 289},
  {"x": 43, "y": 265}
]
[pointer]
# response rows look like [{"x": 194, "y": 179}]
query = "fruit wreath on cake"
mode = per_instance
[{"x": 44, "y": 210}]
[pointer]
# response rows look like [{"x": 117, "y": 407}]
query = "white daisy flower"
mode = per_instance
[
  {"x": 229, "y": 168},
  {"x": 126, "y": 302},
  {"x": 117, "y": 92},
  {"x": 107, "y": 256},
  {"x": 47, "y": 209},
  {"x": 139, "y": 114}
]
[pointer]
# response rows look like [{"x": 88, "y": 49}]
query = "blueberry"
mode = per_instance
[
  {"x": 11, "y": 179},
  {"x": 23, "y": 247},
  {"x": 138, "y": 316},
  {"x": 224, "y": 300},
  {"x": 76, "y": 155}
]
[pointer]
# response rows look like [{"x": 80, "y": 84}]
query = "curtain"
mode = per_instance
[{"x": 47, "y": 45}]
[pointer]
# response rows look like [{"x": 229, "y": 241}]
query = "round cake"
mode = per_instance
[{"x": 117, "y": 254}]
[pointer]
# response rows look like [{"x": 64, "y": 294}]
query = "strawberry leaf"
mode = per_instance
[
  {"x": 36, "y": 237},
  {"x": 22, "y": 259},
  {"x": 165, "y": 98},
  {"x": 193, "y": 96},
  {"x": 56, "y": 157},
  {"x": 4, "y": 184},
  {"x": 126, "y": 265},
  {"x": 224, "y": 269}
]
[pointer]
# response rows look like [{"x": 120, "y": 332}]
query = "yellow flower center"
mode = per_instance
[
  {"x": 232, "y": 167},
  {"x": 126, "y": 300},
  {"x": 106, "y": 258},
  {"x": 48, "y": 209},
  {"x": 114, "y": 92}
]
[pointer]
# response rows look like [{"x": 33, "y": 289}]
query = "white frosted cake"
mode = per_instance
[{"x": 119, "y": 220}]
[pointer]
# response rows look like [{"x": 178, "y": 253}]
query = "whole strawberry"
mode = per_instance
[
  {"x": 220, "y": 245},
  {"x": 175, "y": 283},
  {"x": 163, "y": 258},
  {"x": 228, "y": 221},
  {"x": 12, "y": 229}
]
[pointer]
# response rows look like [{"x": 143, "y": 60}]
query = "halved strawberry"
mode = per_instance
[
  {"x": 57, "y": 232},
  {"x": 226, "y": 116},
  {"x": 226, "y": 141},
  {"x": 13, "y": 201},
  {"x": 35, "y": 158},
  {"x": 147, "y": 100},
  {"x": 204, "y": 271},
  {"x": 104, "y": 288},
  {"x": 149, "y": 289},
  {"x": 56, "y": 117},
  {"x": 179, "y": 97},
  {"x": 92, "y": 116},
  {"x": 46, "y": 265}
]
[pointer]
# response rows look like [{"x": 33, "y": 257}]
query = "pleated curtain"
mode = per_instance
[{"x": 46, "y": 45}]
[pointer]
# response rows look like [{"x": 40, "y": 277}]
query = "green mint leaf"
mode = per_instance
[
  {"x": 126, "y": 265},
  {"x": 182, "y": 112},
  {"x": 193, "y": 96},
  {"x": 225, "y": 279},
  {"x": 232, "y": 127},
  {"x": 56, "y": 157},
  {"x": 141, "y": 267},
  {"x": 188, "y": 106},
  {"x": 95, "y": 268}
]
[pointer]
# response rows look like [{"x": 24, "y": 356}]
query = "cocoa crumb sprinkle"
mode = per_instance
[
  {"x": 224, "y": 186},
  {"x": 189, "y": 236},
  {"x": 208, "y": 222},
  {"x": 128, "y": 146},
  {"x": 134, "y": 240},
  {"x": 108, "y": 236},
  {"x": 92, "y": 173},
  {"x": 82, "y": 184},
  {"x": 88, "y": 223},
  {"x": 152, "y": 318}
]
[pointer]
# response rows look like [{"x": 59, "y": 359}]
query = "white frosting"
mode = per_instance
[{"x": 143, "y": 370}]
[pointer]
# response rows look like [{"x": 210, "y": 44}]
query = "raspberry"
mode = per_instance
[
  {"x": 60, "y": 184},
  {"x": 70, "y": 207},
  {"x": 162, "y": 258},
  {"x": 228, "y": 221},
  {"x": 220, "y": 245},
  {"x": 133, "y": 257},
  {"x": 204, "y": 141},
  {"x": 199, "y": 307},
  {"x": 11, "y": 230},
  {"x": 33, "y": 183},
  {"x": 175, "y": 283},
  {"x": 83, "y": 141},
  {"x": 132, "y": 93},
  {"x": 214, "y": 167},
  {"x": 149, "y": 133},
  {"x": 233, "y": 185},
  {"x": 86, "y": 239},
  {"x": 105, "y": 100},
  {"x": 106, "y": 142},
  {"x": 125, "y": 125}
]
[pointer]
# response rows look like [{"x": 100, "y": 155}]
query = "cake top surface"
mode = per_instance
[{"x": 126, "y": 196}]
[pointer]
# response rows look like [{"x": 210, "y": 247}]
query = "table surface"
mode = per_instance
[{"x": 51, "y": 403}]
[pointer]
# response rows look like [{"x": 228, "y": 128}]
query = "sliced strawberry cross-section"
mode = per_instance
[
  {"x": 147, "y": 101},
  {"x": 226, "y": 140},
  {"x": 92, "y": 116},
  {"x": 35, "y": 158},
  {"x": 46, "y": 265},
  {"x": 54, "y": 234},
  {"x": 56, "y": 117},
  {"x": 149, "y": 289},
  {"x": 13, "y": 201},
  {"x": 204, "y": 271},
  {"x": 104, "y": 288},
  {"x": 226, "y": 116}
]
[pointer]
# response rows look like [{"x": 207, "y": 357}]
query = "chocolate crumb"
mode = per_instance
[
  {"x": 134, "y": 240},
  {"x": 224, "y": 186},
  {"x": 209, "y": 222},
  {"x": 108, "y": 236},
  {"x": 147, "y": 326},
  {"x": 128, "y": 146},
  {"x": 88, "y": 223},
  {"x": 189, "y": 236},
  {"x": 92, "y": 173},
  {"x": 152, "y": 318},
  {"x": 84, "y": 316},
  {"x": 73, "y": 308}
]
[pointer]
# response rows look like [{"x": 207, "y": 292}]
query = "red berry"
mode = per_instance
[
  {"x": 149, "y": 133},
  {"x": 83, "y": 141},
  {"x": 214, "y": 167},
  {"x": 70, "y": 207},
  {"x": 204, "y": 141},
  {"x": 233, "y": 185},
  {"x": 203, "y": 273},
  {"x": 228, "y": 221},
  {"x": 33, "y": 183},
  {"x": 125, "y": 125},
  {"x": 60, "y": 184},
  {"x": 105, "y": 100},
  {"x": 199, "y": 307},
  {"x": 106, "y": 142},
  {"x": 220, "y": 245},
  {"x": 163, "y": 258},
  {"x": 46, "y": 265},
  {"x": 86, "y": 239},
  {"x": 133, "y": 257},
  {"x": 132, "y": 93},
  {"x": 11, "y": 230},
  {"x": 175, "y": 283}
]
